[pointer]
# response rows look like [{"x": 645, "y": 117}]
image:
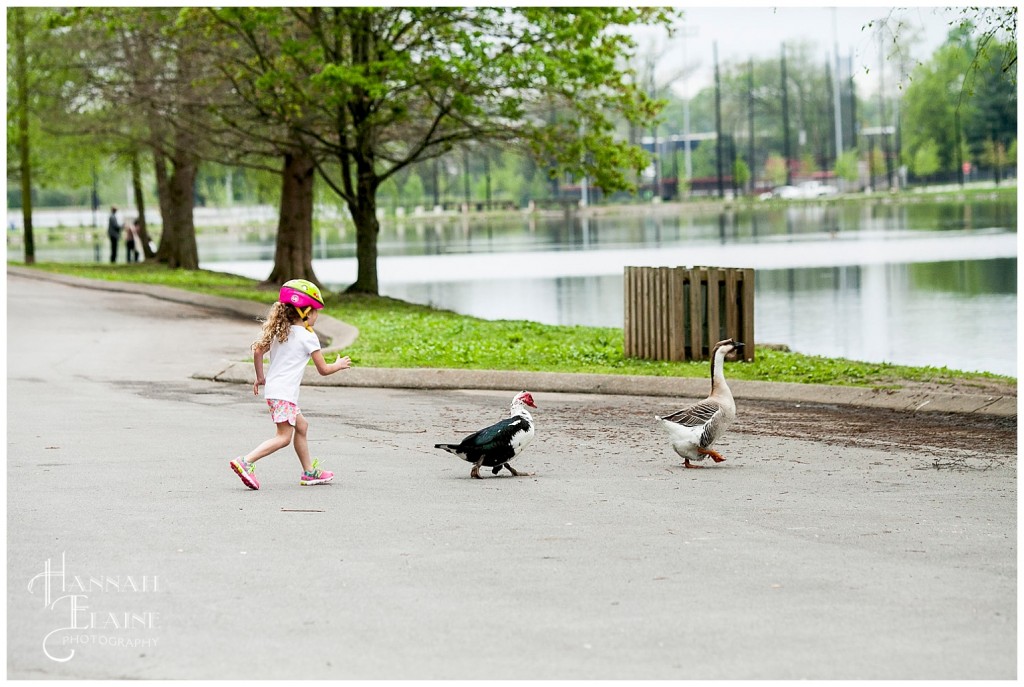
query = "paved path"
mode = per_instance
[{"x": 847, "y": 558}]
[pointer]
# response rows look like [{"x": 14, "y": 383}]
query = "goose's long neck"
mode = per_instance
[{"x": 718, "y": 385}]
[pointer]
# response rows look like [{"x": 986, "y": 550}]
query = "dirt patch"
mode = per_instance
[
  {"x": 970, "y": 387},
  {"x": 936, "y": 433}
]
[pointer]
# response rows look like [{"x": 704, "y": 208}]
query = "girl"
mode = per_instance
[{"x": 288, "y": 336}]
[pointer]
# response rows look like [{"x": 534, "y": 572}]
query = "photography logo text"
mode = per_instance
[{"x": 80, "y": 605}]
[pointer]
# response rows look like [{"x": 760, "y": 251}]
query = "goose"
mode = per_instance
[
  {"x": 495, "y": 446},
  {"x": 695, "y": 428}
]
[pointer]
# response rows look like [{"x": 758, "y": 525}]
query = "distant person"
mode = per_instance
[
  {"x": 288, "y": 336},
  {"x": 114, "y": 233},
  {"x": 132, "y": 241}
]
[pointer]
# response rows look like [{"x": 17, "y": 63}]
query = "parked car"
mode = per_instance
[
  {"x": 816, "y": 189},
  {"x": 788, "y": 193}
]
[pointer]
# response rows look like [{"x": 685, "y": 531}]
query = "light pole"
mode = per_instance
[
  {"x": 835, "y": 90},
  {"x": 684, "y": 34}
]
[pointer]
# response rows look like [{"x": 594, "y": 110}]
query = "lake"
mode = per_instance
[{"x": 920, "y": 283}]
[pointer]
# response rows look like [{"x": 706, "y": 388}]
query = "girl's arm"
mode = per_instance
[
  {"x": 325, "y": 368},
  {"x": 257, "y": 362}
]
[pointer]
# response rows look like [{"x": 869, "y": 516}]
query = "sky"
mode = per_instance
[{"x": 759, "y": 31}]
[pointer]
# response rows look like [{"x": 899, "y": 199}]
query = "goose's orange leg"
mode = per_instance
[{"x": 715, "y": 456}]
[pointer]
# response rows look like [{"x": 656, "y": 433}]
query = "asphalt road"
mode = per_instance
[{"x": 850, "y": 551}]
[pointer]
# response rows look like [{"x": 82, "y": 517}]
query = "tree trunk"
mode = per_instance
[
  {"x": 178, "y": 240},
  {"x": 185, "y": 254},
  {"x": 163, "y": 192},
  {"x": 293, "y": 256},
  {"x": 140, "y": 204},
  {"x": 364, "y": 214},
  {"x": 25, "y": 162}
]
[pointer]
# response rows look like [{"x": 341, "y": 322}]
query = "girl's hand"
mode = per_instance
[
  {"x": 342, "y": 363},
  {"x": 256, "y": 386}
]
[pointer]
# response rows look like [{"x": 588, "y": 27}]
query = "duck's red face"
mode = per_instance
[{"x": 526, "y": 398}]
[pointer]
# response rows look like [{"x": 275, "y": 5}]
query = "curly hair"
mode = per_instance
[{"x": 280, "y": 318}]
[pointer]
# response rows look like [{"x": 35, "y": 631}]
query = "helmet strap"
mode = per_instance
[{"x": 304, "y": 314}]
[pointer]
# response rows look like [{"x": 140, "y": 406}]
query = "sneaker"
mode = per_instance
[
  {"x": 247, "y": 471},
  {"x": 316, "y": 475}
]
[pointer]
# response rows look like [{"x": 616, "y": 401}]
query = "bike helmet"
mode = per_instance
[{"x": 304, "y": 296}]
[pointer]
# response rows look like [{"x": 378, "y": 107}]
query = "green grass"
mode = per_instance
[{"x": 394, "y": 333}]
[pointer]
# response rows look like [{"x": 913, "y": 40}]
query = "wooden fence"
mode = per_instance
[{"x": 678, "y": 313}]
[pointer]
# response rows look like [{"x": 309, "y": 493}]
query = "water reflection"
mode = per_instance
[{"x": 946, "y": 313}]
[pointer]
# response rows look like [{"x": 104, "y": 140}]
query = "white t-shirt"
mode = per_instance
[{"x": 288, "y": 362}]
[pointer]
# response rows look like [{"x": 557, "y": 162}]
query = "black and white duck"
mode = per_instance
[{"x": 494, "y": 446}]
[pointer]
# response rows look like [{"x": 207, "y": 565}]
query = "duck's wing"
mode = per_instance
[
  {"x": 707, "y": 414},
  {"x": 499, "y": 435},
  {"x": 695, "y": 415}
]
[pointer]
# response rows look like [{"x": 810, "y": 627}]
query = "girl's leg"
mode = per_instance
[
  {"x": 278, "y": 441},
  {"x": 302, "y": 443}
]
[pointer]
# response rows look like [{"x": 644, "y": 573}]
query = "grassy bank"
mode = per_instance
[{"x": 394, "y": 333}]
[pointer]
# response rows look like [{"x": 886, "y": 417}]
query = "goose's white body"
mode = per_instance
[{"x": 694, "y": 429}]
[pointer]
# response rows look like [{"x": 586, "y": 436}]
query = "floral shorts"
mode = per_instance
[{"x": 282, "y": 411}]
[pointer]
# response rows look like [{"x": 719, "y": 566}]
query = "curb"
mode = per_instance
[
  {"x": 635, "y": 385},
  {"x": 336, "y": 335}
]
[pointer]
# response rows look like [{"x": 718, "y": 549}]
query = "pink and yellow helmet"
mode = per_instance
[{"x": 302, "y": 294}]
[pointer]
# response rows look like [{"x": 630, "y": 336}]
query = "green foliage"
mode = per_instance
[
  {"x": 375, "y": 90},
  {"x": 925, "y": 161},
  {"x": 964, "y": 82},
  {"x": 846, "y": 166},
  {"x": 741, "y": 172},
  {"x": 775, "y": 169},
  {"x": 807, "y": 164},
  {"x": 704, "y": 160},
  {"x": 394, "y": 333},
  {"x": 59, "y": 159}
]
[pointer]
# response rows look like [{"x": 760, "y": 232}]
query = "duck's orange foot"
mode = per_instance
[{"x": 688, "y": 464}]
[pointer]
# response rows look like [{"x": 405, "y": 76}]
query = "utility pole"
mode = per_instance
[
  {"x": 487, "y": 179},
  {"x": 437, "y": 184},
  {"x": 684, "y": 34},
  {"x": 881, "y": 107},
  {"x": 836, "y": 100},
  {"x": 750, "y": 117},
  {"x": 785, "y": 118},
  {"x": 718, "y": 122},
  {"x": 655, "y": 153},
  {"x": 584, "y": 198},
  {"x": 853, "y": 103},
  {"x": 465, "y": 176},
  {"x": 959, "y": 148},
  {"x": 831, "y": 111}
]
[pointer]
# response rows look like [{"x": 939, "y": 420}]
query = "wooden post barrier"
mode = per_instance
[{"x": 679, "y": 313}]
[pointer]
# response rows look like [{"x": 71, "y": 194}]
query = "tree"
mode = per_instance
[
  {"x": 254, "y": 124},
  {"x": 965, "y": 96},
  {"x": 371, "y": 91},
  {"x": 933, "y": 99},
  {"x": 925, "y": 162},
  {"x": 846, "y": 166},
  {"x": 22, "y": 110},
  {"x": 138, "y": 84},
  {"x": 37, "y": 156},
  {"x": 740, "y": 172},
  {"x": 775, "y": 169}
]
